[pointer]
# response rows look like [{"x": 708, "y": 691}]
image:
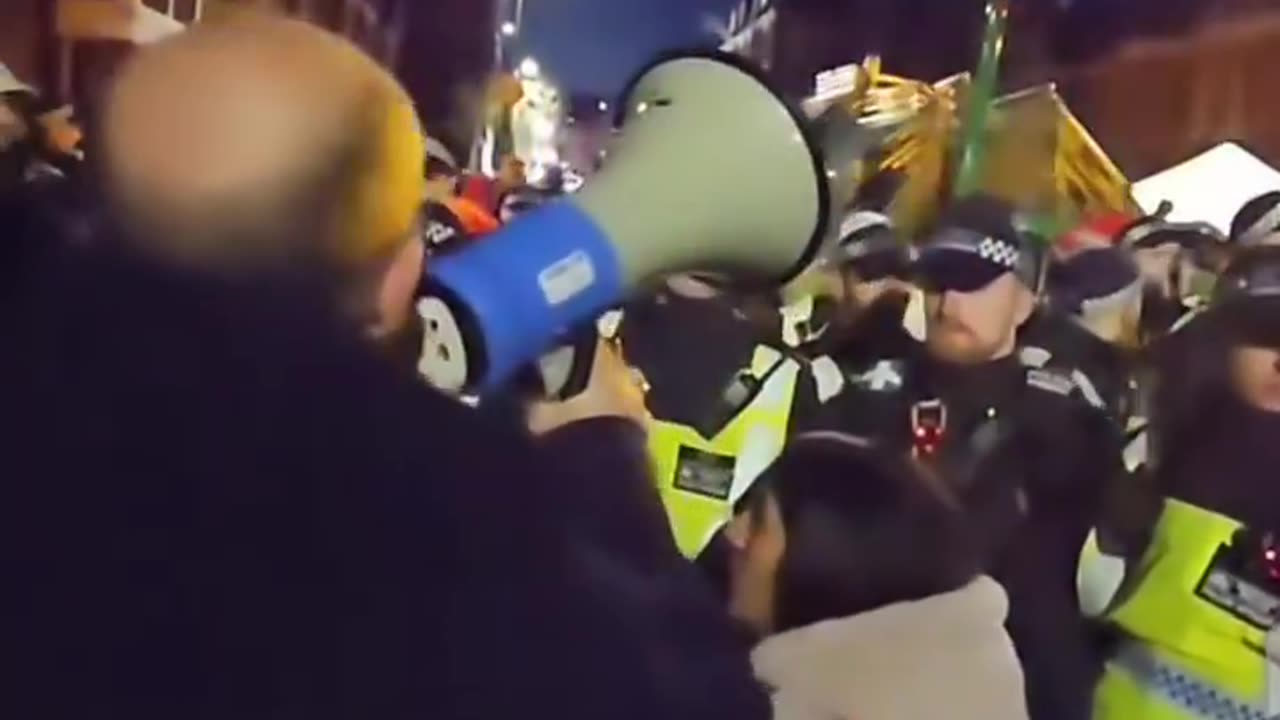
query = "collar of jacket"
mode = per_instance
[{"x": 944, "y": 656}]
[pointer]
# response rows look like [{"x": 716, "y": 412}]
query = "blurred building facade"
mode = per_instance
[
  {"x": 587, "y": 132},
  {"x": 1158, "y": 102},
  {"x": 23, "y": 47},
  {"x": 442, "y": 49},
  {"x": 1155, "y": 82}
]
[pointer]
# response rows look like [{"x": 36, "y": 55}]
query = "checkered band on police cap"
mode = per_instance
[
  {"x": 988, "y": 228},
  {"x": 999, "y": 252}
]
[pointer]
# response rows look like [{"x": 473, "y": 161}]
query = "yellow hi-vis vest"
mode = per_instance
[
  {"x": 1186, "y": 656},
  {"x": 700, "y": 479}
]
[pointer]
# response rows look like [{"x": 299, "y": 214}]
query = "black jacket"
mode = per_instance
[
  {"x": 1108, "y": 368},
  {"x": 218, "y": 504}
]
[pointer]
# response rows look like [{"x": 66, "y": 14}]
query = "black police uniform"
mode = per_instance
[
  {"x": 870, "y": 249},
  {"x": 1103, "y": 373},
  {"x": 1026, "y": 453}
]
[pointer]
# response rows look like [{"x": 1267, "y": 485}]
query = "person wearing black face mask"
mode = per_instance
[
  {"x": 864, "y": 311},
  {"x": 1192, "y": 550},
  {"x": 860, "y": 311}
]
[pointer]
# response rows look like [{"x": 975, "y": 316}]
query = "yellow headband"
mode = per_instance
[{"x": 388, "y": 195}]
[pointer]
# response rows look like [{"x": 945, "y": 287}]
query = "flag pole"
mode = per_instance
[{"x": 971, "y": 154}]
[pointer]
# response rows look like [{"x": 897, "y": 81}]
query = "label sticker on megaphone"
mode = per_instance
[
  {"x": 496, "y": 306},
  {"x": 567, "y": 278},
  {"x": 758, "y": 217}
]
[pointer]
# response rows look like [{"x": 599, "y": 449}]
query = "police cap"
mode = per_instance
[
  {"x": 977, "y": 241},
  {"x": 870, "y": 246}
]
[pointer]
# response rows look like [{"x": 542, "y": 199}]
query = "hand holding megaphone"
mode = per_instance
[
  {"x": 611, "y": 389},
  {"x": 742, "y": 193}
]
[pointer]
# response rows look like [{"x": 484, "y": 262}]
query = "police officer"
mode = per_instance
[
  {"x": 862, "y": 308},
  {"x": 721, "y": 391},
  {"x": 1192, "y": 581},
  {"x": 1089, "y": 323},
  {"x": 1179, "y": 263},
  {"x": 1257, "y": 222},
  {"x": 722, "y": 414},
  {"x": 1024, "y": 451}
]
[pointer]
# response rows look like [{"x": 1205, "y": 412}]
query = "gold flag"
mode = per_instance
[{"x": 1040, "y": 157}]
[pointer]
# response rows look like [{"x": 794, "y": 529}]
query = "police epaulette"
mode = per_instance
[
  {"x": 1049, "y": 380},
  {"x": 884, "y": 376}
]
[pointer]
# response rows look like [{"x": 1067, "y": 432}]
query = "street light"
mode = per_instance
[
  {"x": 509, "y": 29},
  {"x": 603, "y": 106},
  {"x": 529, "y": 68}
]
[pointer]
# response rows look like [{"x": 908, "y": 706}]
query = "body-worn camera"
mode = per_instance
[{"x": 1244, "y": 578}]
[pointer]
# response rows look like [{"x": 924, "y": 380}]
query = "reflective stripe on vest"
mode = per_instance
[
  {"x": 1176, "y": 627},
  {"x": 1187, "y": 693},
  {"x": 701, "y": 479}
]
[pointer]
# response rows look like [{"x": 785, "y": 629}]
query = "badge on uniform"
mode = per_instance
[
  {"x": 886, "y": 376},
  {"x": 928, "y": 428},
  {"x": 1050, "y": 381},
  {"x": 704, "y": 473}
]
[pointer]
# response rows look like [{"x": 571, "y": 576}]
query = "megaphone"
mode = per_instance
[{"x": 713, "y": 173}]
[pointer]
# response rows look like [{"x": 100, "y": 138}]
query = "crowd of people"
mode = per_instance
[{"x": 974, "y": 474}]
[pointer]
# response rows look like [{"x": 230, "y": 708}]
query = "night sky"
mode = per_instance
[{"x": 593, "y": 46}]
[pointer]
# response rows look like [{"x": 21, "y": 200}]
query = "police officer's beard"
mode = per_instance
[{"x": 953, "y": 341}]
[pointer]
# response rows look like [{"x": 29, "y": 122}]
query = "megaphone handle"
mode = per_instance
[
  {"x": 563, "y": 372},
  {"x": 583, "y": 367}
]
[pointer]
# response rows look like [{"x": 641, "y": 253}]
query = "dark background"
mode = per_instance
[{"x": 1155, "y": 80}]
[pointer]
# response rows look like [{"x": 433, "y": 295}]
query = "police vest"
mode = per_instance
[
  {"x": 700, "y": 478},
  {"x": 1197, "y": 630}
]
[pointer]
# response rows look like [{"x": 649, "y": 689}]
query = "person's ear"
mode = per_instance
[{"x": 1024, "y": 303}]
